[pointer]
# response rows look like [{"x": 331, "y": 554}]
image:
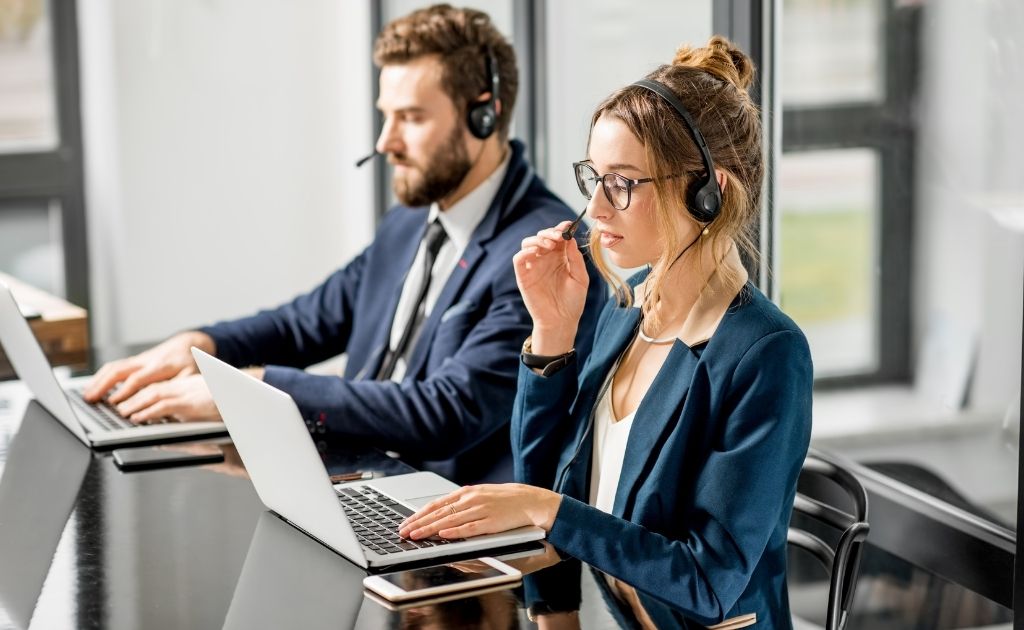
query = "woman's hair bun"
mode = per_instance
[{"x": 721, "y": 58}]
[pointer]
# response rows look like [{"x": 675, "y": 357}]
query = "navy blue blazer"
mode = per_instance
[
  {"x": 704, "y": 499},
  {"x": 450, "y": 413}
]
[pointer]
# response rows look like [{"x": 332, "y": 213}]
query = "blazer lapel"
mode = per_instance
[
  {"x": 463, "y": 271},
  {"x": 658, "y": 410},
  {"x": 392, "y": 276}
]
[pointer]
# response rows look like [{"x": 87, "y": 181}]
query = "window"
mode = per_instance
[
  {"x": 847, "y": 76},
  {"x": 42, "y": 213}
]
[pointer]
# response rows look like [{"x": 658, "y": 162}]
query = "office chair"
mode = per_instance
[{"x": 841, "y": 560}]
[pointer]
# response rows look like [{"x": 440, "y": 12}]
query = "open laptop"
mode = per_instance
[
  {"x": 98, "y": 425},
  {"x": 360, "y": 519},
  {"x": 44, "y": 470}
]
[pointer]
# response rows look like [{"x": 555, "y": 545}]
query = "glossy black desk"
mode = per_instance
[{"x": 84, "y": 545}]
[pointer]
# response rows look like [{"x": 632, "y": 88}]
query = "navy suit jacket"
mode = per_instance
[
  {"x": 450, "y": 414},
  {"x": 704, "y": 499}
]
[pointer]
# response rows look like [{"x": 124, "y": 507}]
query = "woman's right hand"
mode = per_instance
[{"x": 553, "y": 281}]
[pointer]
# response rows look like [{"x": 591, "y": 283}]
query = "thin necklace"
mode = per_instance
[{"x": 652, "y": 340}]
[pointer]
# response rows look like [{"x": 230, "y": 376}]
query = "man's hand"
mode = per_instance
[
  {"x": 168, "y": 360},
  {"x": 184, "y": 398}
]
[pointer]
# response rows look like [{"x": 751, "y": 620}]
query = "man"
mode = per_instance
[{"x": 429, "y": 314}]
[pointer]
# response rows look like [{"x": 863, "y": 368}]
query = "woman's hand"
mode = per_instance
[
  {"x": 553, "y": 281},
  {"x": 485, "y": 509}
]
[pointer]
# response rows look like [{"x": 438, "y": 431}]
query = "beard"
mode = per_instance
[{"x": 443, "y": 173}]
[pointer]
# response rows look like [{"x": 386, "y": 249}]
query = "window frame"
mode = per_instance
[
  {"x": 57, "y": 174},
  {"x": 885, "y": 127}
]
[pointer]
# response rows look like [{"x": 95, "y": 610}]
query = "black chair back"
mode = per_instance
[{"x": 842, "y": 561}]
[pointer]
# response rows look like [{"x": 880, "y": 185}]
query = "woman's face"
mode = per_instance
[{"x": 629, "y": 237}]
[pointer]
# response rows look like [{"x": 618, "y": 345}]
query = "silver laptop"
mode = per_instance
[
  {"x": 359, "y": 520},
  {"x": 98, "y": 425}
]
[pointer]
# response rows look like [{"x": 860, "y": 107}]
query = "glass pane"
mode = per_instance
[
  {"x": 831, "y": 51},
  {"x": 30, "y": 243},
  {"x": 592, "y": 50},
  {"x": 827, "y": 256},
  {"x": 27, "y": 98}
]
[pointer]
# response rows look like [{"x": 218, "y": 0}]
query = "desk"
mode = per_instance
[
  {"x": 87, "y": 546},
  {"x": 175, "y": 548},
  {"x": 61, "y": 328}
]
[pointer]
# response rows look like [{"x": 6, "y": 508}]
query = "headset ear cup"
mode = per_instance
[
  {"x": 704, "y": 200},
  {"x": 482, "y": 120}
]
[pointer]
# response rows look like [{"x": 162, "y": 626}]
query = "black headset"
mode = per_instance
[
  {"x": 703, "y": 196},
  {"x": 482, "y": 117}
]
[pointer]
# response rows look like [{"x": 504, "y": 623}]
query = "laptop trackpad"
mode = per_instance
[
  {"x": 415, "y": 489},
  {"x": 419, "y": 502}
]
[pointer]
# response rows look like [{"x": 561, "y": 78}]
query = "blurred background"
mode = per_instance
[{"x": 166, "y": 164}]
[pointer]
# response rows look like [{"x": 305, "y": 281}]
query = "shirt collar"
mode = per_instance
[{"x": 460, "y": 220}]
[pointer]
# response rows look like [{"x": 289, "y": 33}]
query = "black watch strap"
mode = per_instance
[{"x": 547, "y": 365}]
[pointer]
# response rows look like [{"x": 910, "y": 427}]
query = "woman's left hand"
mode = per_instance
[{"x": 483, "y": 509}]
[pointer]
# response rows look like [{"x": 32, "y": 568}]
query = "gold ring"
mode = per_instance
[{"x": 452, "y": 508}]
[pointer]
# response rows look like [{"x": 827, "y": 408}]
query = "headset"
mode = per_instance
[
  {"x": 482, "y": 117},
  {"x": 703, "y": 196}
]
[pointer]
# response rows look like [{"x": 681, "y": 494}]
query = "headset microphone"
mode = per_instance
[
  {"x": 570, "y": 231},
  {"x": 366, "y": 159}
]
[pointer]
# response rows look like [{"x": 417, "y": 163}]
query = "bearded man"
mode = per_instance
[{"x": 429, "y": 314}]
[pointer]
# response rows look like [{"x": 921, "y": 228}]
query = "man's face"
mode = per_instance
[{"x": 424, "y": 135}]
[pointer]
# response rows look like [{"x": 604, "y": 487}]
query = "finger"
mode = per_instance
[
  {"x": 138, "y": 380},
  {"x": 161, "y": 409},
  {"x": 109, "y": 375},
  {"x": 470, "y": 529},
  {"x": 139, "y": 401},
  {"x": 524, "y": 256},
  {"x": 535, "y": 241},
  {"x": 553, "y": 234},
  {"x": 433, "y": 506},
  {"x": 451, "y": 521},
  {"x": 577, "y": 265},
  {"x": 424, "y": 523}
]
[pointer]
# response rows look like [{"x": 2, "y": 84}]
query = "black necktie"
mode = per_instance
[{"x": 432, "y": 241}]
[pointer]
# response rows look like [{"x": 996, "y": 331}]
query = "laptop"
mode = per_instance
[
  {"x": 359, "y": 520},
  {"x": 44, "y": 470},
  {"x": 98, "y": 425}
]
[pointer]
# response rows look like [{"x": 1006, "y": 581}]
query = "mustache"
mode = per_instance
[{"x": 398, "y": 159}]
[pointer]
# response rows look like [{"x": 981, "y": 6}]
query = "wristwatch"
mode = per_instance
[{"x": 547, "y": 365}]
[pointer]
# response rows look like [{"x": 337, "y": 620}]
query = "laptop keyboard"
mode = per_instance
[
  {"x": 375, "y": 518},
  {"x": 106, "y": 415}
]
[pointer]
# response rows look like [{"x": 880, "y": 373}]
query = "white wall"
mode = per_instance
[
  {"x": 969, "y": 267},
  {"x": 220, "y": 140},
  {"x": 596, "y": 48}
]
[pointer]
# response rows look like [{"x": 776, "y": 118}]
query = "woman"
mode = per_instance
[{"x": 672, "y": 455}]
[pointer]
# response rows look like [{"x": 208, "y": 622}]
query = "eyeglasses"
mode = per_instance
[{"x": 617, "y": 189}]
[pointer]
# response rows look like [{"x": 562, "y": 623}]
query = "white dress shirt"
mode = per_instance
[{"x": 459, "y": 222}]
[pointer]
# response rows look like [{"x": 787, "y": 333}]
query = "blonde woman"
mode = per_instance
[{"x": 669, "y": 461}]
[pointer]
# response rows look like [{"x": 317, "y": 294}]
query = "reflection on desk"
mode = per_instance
[{"x": 182, "y": 548}]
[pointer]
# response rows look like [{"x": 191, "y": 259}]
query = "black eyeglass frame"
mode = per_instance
[{"x": 630, "y": 183}]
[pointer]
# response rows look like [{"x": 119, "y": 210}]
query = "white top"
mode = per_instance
[
  {"x": 610, "y": 439},
  {"x": 459, "y": 222}
]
